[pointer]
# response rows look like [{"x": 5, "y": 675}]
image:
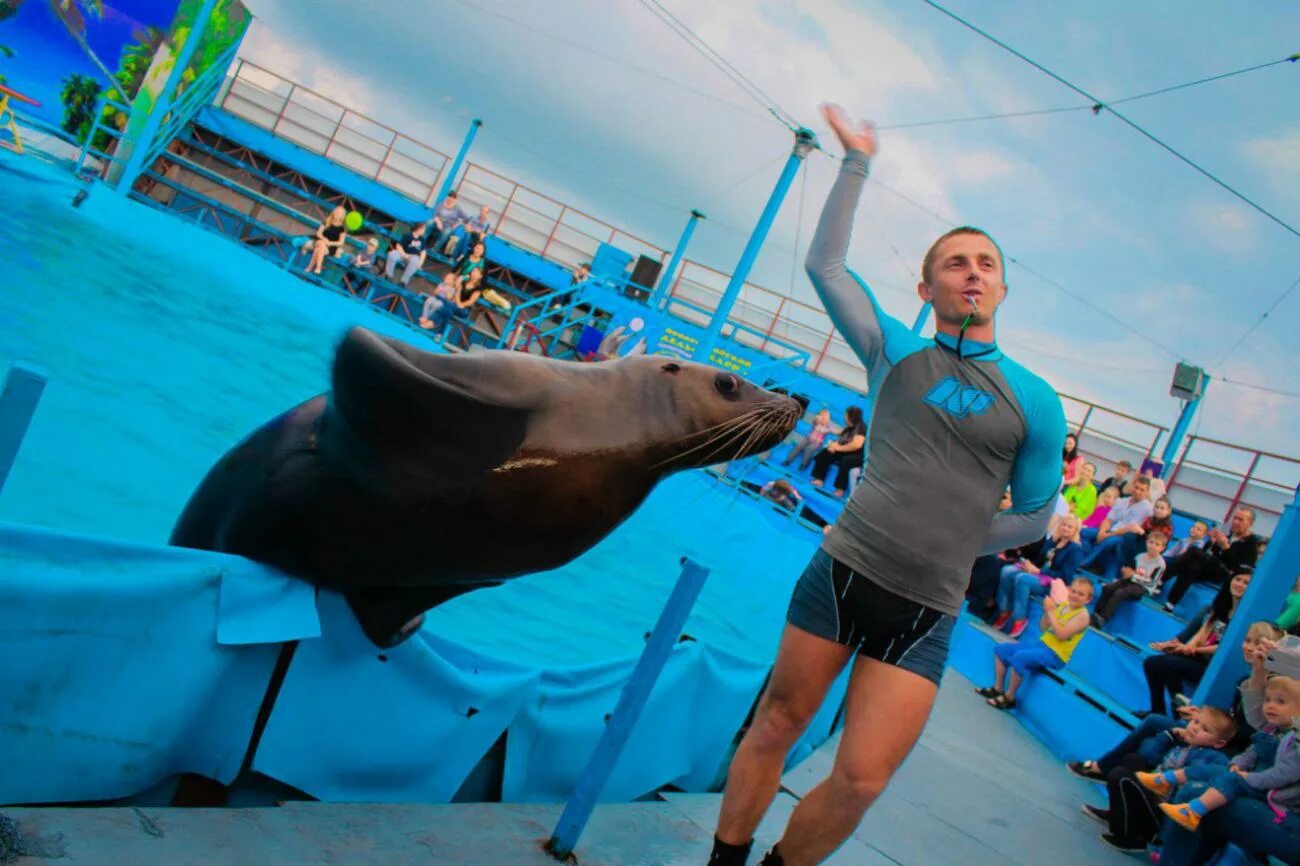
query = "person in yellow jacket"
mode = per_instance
[{"x": 1063, "y": 627}]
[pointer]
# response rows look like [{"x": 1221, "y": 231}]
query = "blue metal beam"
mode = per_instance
[
  {"x": 449, "y": 181},
  {"x": 804, "y": 141},
  {"x": 630, "y": 703},
  {"x": 18, "y": 401},
  {"x": 1180, "y": 431},
  {"x": 666, "y": 280}
]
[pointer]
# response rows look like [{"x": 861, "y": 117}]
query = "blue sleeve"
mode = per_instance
[{"x": 1067, "y": 563}]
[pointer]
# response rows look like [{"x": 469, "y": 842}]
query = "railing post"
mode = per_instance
[
  {"x": 502, "y": 218},
  {"x": 1083, "y": 425},
  {"x": 630, "y": 704},
  {"x": 1236, "y": 500},
  {"x": 22, "y": 391},
  {"x": 564, "y": 208},
  {"x": 1191, "y": 440},
  {"x": 822, "y": 354},
  {"x": 776, "y": 317},
  {"x": 288, "y": 97}
]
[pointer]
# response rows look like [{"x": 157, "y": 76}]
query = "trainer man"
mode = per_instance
[{"x": 954, "y": 422}]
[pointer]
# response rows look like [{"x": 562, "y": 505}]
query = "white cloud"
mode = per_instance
[
  {"x": 1227, "y": 227},
  {"x": 1280, "y": 154},
  {"x": 978, "y": 167}
]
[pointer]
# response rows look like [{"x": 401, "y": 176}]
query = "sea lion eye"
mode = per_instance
[
  {"x": 727, "y": 384},
  {"x": 671, "y": 368}
]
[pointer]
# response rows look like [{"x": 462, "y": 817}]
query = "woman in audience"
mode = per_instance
[
  {"x": 1071, "y": 460},
  {"x": 845, "y": 452},
  {"x": 1023, "y": 581},
  {"x": 1182, "y": 665},
  {"x": 1105, "y": 501},
  {"x": 331, "y": 235},
  {"x": 1082, "y": 494},
  {"x": 475, "y": 261},
  {"x": 459, "y": 308}
]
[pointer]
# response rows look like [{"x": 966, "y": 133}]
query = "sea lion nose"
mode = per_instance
[{"x": 727, "y": 384}]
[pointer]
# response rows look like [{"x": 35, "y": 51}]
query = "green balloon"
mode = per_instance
[{"x": 354, "y": 221}]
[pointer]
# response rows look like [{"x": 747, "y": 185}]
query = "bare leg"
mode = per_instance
[
  {"x": 806, "y": 665},
  {"x": 999, "y": 673},
  {"x": 1016, "y": 680},
  {"x": 887, "y": 710}
]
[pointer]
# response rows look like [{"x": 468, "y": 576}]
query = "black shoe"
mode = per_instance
[
  {"x": 1080, "y": 769},
  {"x": 1126, "y": 845},
  {"x": 1102, "y": 815}
]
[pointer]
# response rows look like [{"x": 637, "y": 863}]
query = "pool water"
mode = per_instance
[{"x": 166, "y": 344}]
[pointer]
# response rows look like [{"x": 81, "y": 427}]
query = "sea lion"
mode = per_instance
[{"x": 419, "y": 476}]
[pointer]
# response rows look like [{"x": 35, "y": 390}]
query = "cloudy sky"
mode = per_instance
[{"x": 601, "y": 104}]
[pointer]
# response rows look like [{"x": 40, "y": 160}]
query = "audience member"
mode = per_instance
[
  {"x": 1082, "y": 494},
  {"x": 446, "y": 218},
  {"x": 1196, "y": 537},
  {"x": 461, "y": 303},
  {"x": 1063, "y": 627},
  {"x": 1119, "y": 479},
  {"x": 474, "y": 232},
  {"x": 806, "y": 447},
  {"x": 1181, "y": 665},
  {"x": 1071, "y": 460},
  {"x": 1126, "y": 517},
  {"x": 408, "y": 251},
  {"x": 1106, "y": 500},
  {"x": 1143, "y": 577},
  {"x": 783, "y": 493},
  {"x": 1223, "y": 556},
  {"x": 445, "y": 293},
  {"x": 845, "y": 453},
  {"x": 1026, "y": 580},
  {"x": 985, "y": 573},
  {"x": 331, "y": 235}
]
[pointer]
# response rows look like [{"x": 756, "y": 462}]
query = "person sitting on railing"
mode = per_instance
[
  {"x": 466, "y": 297},
  {"x": 446, "y": 218},
  {"x": 1181, "y": 665},
  {"x": 408, "y": 251},
  {"x": 805, "y": 447},
  {"x": 1063, "y": 624},
  {"x": 846, "y": 452},
  {"x": 1119, "y": 479},
  {"x": 1025, "y": 580},
  {"x": 1071, "y": 460},
  {"x": 1132, "y": 815},
  {"x": 1196, "y": 537},
  {"x": 1223, "y": 556},
  {"x": 1125, "y": 518},
  {"x": 783, "y": 493},
  {"x": 1082, "y": 494},
  {"x": 331, "y": 235},
  {"x": 1143, "y": 577},
  {"x": 445, "y": 293}
]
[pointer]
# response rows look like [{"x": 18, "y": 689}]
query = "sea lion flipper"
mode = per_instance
[{"x": 450, "y": 411}]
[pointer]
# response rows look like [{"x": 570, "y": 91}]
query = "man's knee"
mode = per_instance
[
  {"x": 779, "y": 723},
  {"x": 859, "y": 787}
]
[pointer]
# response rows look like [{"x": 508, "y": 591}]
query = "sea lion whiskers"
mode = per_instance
[
  {"x": 728, "y": 428},
  {"x": 750, "y": 426}
]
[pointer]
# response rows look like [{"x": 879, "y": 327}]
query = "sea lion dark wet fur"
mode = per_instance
[{"x": 420, "y": 477}]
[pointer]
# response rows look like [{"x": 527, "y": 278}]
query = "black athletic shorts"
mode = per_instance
[{"x": 834, "y": 602}]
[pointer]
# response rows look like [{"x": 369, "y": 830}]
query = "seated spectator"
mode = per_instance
[
  {"x": 1131, "y": 545},
  {"x": 1082, "y": 494},
  {"x": 782, "y": 492},
  {"x": 475, "y": 261},
  {"x": 1063, "y": 627},
  {"x": 1259, "y": 639},
  {"x": 845, "y": 453},
  {"x": 409, "y": 250},
  {"x": 330, "y": 237},
  {"x": 1265, "y": 771},
  {"x": 1026, "y": 580},
  {"x": 1143, "y": 577},
  {"x": 1132, "y": 813},
  {"x": 367, "y": 258},
  {"x": 1119, "y": 480},
  {"x": 985, "y": 572},
  {"x": 1125, "y": 518},
  {"x": 1196, "y": 537},
  {"x": 1181, "y": 665},
  {"x": 447, "y": 217},
  {"x": 1223, "y": 556},
  {"x": 444, "y": 294},
  {"x": 806, "y": 447},
  {"x": 1291, "y": 611},
  {"x": 461, "y": 303},
  {"x": 1071, "y": 460},
  {"x": 474, "y": 232},
  {"x": 1106, "y": 500}
]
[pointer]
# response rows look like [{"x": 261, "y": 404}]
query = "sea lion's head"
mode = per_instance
[{"x": 713, "y": 415}]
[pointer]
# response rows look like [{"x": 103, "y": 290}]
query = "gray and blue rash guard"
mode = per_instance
[{"x": 947, "y": 434}]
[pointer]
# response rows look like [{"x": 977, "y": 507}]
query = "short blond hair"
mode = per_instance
[
  {"x": 1264, "y": 630},
  {"x": 1286, "y": 685}
]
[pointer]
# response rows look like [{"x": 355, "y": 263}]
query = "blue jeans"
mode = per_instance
[
  {"x": 1148, "y": 727},
  {"x": 1088, "y": 538},
  {"x": 1223, "y": 780},
  {"x": 1109, "y": 555},
  {"x": 1248, "y": 824},
  {"x": 1028, "y": 656},
  {"x": 1016, "y": 588}
]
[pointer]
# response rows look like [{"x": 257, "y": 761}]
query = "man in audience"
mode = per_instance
[
  {"x": 1126, "y": 517},
  {"x": 446, "y": 218},
  {"x": 408, "y": 251},
  {"x": 1119, "y": 479},
  {"x": 1222, "y": 557}
]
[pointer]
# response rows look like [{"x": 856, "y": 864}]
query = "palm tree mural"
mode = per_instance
[
  {"x": 79, "y": 95},
  {"x": 69, "y": 12},
  {"x": 6, "y": 52}
]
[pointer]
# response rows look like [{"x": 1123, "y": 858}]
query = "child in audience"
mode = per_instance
[
  {"x": 1023, "y": 581},
  {"x": 1132, "y": 816},
  {"x": 1105, "y": 501},
  {"x": 1141, "y": 578},
  {"x": 1119, "y": 480},
  {"x": 445, "y": 293},
  {"x": 1063, "y": 627},
  {"x": 1195, "y": 538},
  {"x": 781, "y": 492},
  {"x": 808, "y": 446},
  {"x": 1271, "y": 764}
]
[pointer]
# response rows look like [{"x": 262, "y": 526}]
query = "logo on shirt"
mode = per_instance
[{"x": 959, "y": 400}]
